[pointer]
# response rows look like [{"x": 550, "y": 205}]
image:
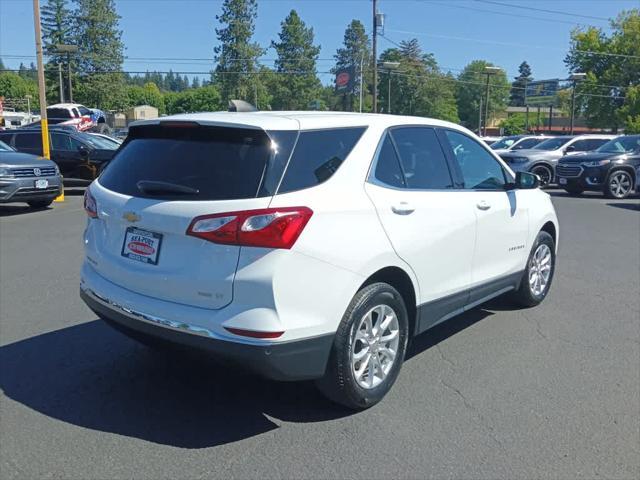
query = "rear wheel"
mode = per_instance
[
  {"x": 368, "y": 349},
  {"x": 104, "y": 129},
  {"x": 40, "y": 203},
  {"x": 538, "y": 274},
  {"x": 544, "y": 173},
  {"x": 618, "y": 185}
]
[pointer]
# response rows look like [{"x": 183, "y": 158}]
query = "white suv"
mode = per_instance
[{"x": 309, "y": 245}]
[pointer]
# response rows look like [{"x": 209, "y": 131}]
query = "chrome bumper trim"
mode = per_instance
[{"x": 148, "y": 318}]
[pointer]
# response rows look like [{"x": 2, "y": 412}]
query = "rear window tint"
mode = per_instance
[
  {"x": 317, "y": 156},
  {"x": 58, "y": 113},
  {"x": 219, "y": 163}
]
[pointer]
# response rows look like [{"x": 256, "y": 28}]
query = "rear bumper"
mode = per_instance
[{"x": 286, "y": 361}]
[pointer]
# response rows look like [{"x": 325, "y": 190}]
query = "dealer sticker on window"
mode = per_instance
[{"x": 141, "y": 245}]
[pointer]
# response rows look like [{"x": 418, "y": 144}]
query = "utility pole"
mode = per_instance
[
  {"x": 375, "y": 57},
  {"x": 575, "y": 78},
  {"x": 526, "y": 104},
  {"x": 44, "y": 125},
  {"x": 488, "y": 72},
  {"x": 60, "y": 83}
]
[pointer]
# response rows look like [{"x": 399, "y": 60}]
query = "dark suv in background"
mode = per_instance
[
  {"x": 613, "y": 168},
  {"x": 79, "y": 156}
]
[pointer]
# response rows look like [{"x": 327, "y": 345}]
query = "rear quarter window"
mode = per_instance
[{"x": 317, "y": 156}]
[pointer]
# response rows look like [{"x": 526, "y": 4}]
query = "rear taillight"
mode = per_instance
[
  {"x": 90, "y": 205},
  {"x": 268, "y": 227}
]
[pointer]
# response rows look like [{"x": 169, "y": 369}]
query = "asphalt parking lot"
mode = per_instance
[{"x": 550, "y": 392}]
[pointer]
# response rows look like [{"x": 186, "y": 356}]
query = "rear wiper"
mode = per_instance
[{"x": 153, "y": 187}]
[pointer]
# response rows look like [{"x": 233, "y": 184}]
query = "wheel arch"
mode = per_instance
[
  {"x": 627, "y": 168},
  {"x": 542, "y": 163},
  {"x": 550, "y": 228},
  {"x": 401, "y": 281}
]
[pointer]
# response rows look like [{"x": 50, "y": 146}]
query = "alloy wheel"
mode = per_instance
[
  {"x": 620, "y": 184},
  {"x": 540, "y": 269},
  {"x": 375, "y": 346},
  {"x": 544, "y": 173}
]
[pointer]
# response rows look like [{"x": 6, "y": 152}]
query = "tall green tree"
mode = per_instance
[
  {"x": 417, "y": 86},
  {"x": 356, "y": 52},
  {"x": 237, "y": 55},
  {"x": 517, "y": 95},
  {"x": 57, "y": 26},
  {"x": 298, "y": 83},
  {"x": 100, "y": 54},
  {"x": 612, "y": 63},
  {"x": 471, "y": 89}
]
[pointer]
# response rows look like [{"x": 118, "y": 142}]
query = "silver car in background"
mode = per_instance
[
  {"x": 543, "y": 158},
  {"x": 28, "y": 178}
]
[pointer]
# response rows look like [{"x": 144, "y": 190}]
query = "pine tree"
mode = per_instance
[
  {"x": 100, "y": 53},
  {"x": 195, "y": 83},
  {"x": 355, "y": 52},
  {"x": 56, "y": 22},
  {"x": 236, "y": 55},
  {"x": 517, "y": 95},
  {"x": 297, "y": 82}
]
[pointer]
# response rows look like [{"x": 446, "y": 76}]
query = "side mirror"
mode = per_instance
[
  {"x": 570, "y": 148},
  {"x": 527, "y": 181},
  {"x": 84, "y": 152}
]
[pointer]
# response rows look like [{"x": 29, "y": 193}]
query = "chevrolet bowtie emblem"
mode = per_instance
[{"x": 131, "y": 217}]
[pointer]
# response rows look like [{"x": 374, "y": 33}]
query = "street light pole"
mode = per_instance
[
  {"x": 575, "y": 78},
  {"x": 68, "y": 49},
  {"x": 389, "y": 67},
  {"x": 60, "y": 83}
]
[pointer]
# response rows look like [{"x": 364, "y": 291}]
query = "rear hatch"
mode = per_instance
[{"x": 163, "y": 177}]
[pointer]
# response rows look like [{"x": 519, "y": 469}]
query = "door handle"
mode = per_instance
[
  {"x": 402, "y": 208},
  {"x": 483, "y": 205}
]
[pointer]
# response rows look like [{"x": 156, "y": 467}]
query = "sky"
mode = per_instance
[{"x": 504, "y": 32}]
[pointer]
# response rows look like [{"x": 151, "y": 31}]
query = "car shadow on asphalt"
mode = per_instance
[
  {"x": 94, "y": 377},
  {"x": 11, "y": 210},
  {"x": 626, "y": 206}
]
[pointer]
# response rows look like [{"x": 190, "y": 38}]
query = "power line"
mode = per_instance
[{"x": 544, "y": 10}]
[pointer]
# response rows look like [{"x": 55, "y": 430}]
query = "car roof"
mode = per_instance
[
  {"x": 65, "y": 105},
  {"x": 298, "y": 120}
]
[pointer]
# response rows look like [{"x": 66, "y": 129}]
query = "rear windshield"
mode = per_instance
[
  {"x": 198, "y": 163},
  {"x": 220, "y": 163},
  {"x": 58, "y": 113}
]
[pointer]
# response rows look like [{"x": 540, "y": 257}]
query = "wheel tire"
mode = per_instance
[
  {"x": 525, "y": 296},
  {"x": 544, "y": 173},
  {"x": 619, "y": 184},
  {"x": 339, "y": 383},
  {"x": 104, "y": 129},
  {"x": 574, "y": 190},
  {"x": 40, "y": 203}
]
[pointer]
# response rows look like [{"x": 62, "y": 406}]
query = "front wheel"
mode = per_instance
[
  {"x": 538, "y": 274},
  {"x": 544, "y": 173},
  {"x": 618, "y": 185},
  {"x": 368, "y": 349}
]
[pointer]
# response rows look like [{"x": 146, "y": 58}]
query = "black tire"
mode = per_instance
[
  {"x": 619, "y": 184},
  {"x": 574, "y": 190},
  {"x": 339, "y": 383},
  {"x": 524, "y": 296},
  {"x": 40, "y": 203},
  {"x": 545, "y": 173},
  {"x": 103, "y": 128}
]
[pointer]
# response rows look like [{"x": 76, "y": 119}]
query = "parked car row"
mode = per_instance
[{"x": 79, "y": 156}]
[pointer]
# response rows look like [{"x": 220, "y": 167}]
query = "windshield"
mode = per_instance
[
  {"x": 552, "y": 143},
  {"x": 98, "y": 142},
  {"x": 4, "y": 147},
  {"x": 506, "y": 142},
  {"x": 626, "y": 144}
]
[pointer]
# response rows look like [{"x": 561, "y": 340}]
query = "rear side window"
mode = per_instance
[
  {"x": 58, "y": 113},
  {"x": 213, "y": 163},
  {"x": 388, "y": 169},
  {"x": 29, "y": 141},
  {"x": 317, "y": 156},
  {"x": 528, "y": 143},
  {"x": 423, "y": 162}
]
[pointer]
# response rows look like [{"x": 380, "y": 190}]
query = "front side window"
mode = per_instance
[
  {"x": 506, "y": 142},
  {"x": 480, "y": 171},
  {"x": 317, "y": 156},
  {"x": 60, "y": 141},
  {"x": 424, "y": 165}
]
